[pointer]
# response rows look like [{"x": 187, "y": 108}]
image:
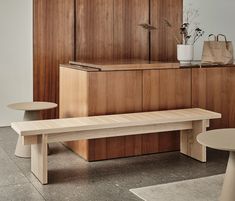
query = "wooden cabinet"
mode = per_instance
[
  {"x": 99, "y": 93},
  {"x": 166, "y": 89},
  {"x": 163, "y": 90},
  {"x": 212, "y": 89},
  {"x": 122, "y": 91},
  {"x": 112, "y": 92}
]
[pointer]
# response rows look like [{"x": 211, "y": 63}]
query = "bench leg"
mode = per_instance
[
  {"x": 39, "y": 159},
  {"x": 188, "y": 142}
]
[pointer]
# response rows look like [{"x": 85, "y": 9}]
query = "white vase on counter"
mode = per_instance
[{"x": 185, "y": 54}]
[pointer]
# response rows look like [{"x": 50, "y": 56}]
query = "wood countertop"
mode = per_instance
[{"x": 127, "y": 65}]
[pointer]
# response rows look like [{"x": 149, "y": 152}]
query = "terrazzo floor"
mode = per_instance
[{"x": 71, "y": 178}]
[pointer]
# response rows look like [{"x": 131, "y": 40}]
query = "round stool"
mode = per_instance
[
  {"x": 31, "y": 112},
  {"x": 223, "y": 139}
]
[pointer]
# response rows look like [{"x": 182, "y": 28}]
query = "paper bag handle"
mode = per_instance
[
  {"x": 222, "y": 36},
  {"x": 215, "y": 38}
]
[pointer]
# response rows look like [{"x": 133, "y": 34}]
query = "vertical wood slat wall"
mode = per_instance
[
  {"x": 97, "y": 29},
  {"x": 110, "y": 30},
  {"x": 53, "y": 44},
  {"x": 163, "y": 44}
]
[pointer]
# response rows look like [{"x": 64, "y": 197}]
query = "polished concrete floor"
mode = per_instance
[{"x": 71, "y": 178}]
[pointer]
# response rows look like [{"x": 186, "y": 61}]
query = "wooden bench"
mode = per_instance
[{"x": 190, "y": 122}]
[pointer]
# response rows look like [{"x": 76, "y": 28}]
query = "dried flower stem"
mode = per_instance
[
  {"x": 190, "y": 36},
  {"x": 173, "y": 31}
]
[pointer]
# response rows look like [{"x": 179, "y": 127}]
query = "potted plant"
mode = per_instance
[{"x": 185, "y": 47}]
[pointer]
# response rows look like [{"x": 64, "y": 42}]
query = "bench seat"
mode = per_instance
[{"x": 190, "y": 122}]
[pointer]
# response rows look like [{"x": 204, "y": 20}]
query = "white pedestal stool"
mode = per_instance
[
  {"x": 223, "y": 139},
  {"x": 31, "y": 112}
]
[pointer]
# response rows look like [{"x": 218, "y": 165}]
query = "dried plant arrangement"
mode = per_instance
[{"x": 189, "y": 30}]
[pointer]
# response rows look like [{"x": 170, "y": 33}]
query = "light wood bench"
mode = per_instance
[{"x": 190, "y": 122}]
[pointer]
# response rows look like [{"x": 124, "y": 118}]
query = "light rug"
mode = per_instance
[{"x": 202, "y": 189}]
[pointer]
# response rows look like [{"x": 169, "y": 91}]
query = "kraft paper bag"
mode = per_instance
[{"x": 217, "y": 51}]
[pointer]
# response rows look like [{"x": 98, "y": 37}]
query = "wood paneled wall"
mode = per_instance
[
  {"x": 108, "y": 29},
  {"x": 163, "y": 44},
  {"x": 97, "y": 29},
  {"x": 131, "y": 40},
  {"x": 94, "y": 29},
  {"x": 53, "y": 44}
]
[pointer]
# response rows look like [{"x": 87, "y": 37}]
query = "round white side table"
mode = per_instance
[
  {"x": 31, "y": 112},
  {"x": 223, "y": 139}
]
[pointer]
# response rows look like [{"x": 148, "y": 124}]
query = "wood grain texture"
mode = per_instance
[
  {"x": 101, "y": 93},
  {"x": 174, "y": 92},
  {"x": 113, "y": 93},
  {"x": 80, "y": 128},
  {"x": 73, "y": 90},
  {"x": 39, "y": 163},
  {"x": 189, "y": 144},
  {"x": 101, "y": 29},
  {"x": 108, "y": 29},
  {"x": 231, "y": 97},
  {"x": 175, "y": 89},
  {"x": 94, "y": 29},
  {"x": 53, "y": 126},
  {"x": 130, "y": 40},
  {"x": 53, "y": 44},
  {"x": 164, "y": 90},
  {"x": 163, "y": 44},
  {"x": 211, "y": 89},
  {"x": 131, "y": 91},
  {"x": 74, "y": 101},
  {"x": 167, "y": 89},
  {"x": 121, "y": 65}
]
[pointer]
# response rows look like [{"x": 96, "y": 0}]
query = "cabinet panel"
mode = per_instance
[
  {"x": 163, "y": 44},
  {"x": 164, "y": 90},
  {"x": 231, "y": 97},
  {"x": 175, "y": 89},
  {"x": 113, "y": 93},
  {"x": 74, "y": 102},
  {"x": 212, "y": 89}
]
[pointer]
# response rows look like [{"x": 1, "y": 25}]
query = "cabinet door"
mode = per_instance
[
  {"x": 114, "y": 93},
  {"x": 167, "y": 89},
  {"x": 164, "y": 90},
  {"x": 212, "y": 89},
  {"x": 163, "y": 43}
]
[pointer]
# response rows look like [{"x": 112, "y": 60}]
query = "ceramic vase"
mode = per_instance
[{"x": 185, "y": 54}]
